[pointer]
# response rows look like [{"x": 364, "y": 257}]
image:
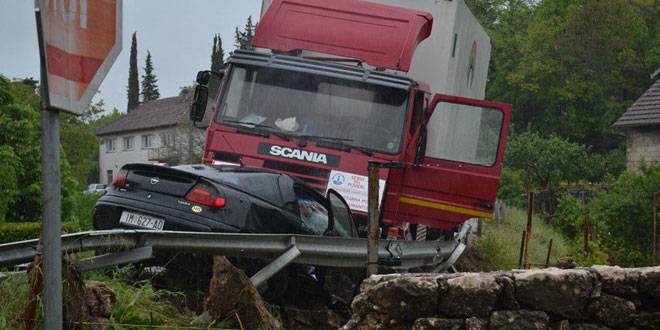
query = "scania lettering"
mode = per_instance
[
  {"x": 334, "y": 84},
  {"x": 299, "y": 154}
]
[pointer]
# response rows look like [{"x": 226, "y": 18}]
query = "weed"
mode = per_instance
[{"x": 500, "y": 243}]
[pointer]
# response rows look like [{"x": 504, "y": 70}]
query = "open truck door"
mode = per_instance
[{"x": 453, "y": 171}]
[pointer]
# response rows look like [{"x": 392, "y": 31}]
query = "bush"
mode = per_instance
[
  {"x": 81, "y": 215},
  {"x": 623, "y": 216},
  {"x": 9, "y": 171},
  {"x": 512, "y": 188},
  {"x": 21, "y": 231},
  {"x": 569, "y": 217}
]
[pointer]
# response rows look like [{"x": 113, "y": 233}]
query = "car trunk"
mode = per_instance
[{"x": 160, "y": 180}]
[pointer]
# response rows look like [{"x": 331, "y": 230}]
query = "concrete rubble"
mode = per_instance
[{"x": 600, "y": 297}]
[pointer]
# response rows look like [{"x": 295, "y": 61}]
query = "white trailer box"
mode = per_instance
[{"x": 454, "y": 59}]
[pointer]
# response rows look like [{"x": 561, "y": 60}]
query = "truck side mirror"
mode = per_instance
[
  {"x": 199, "y": 103},
  {"x": 203, "y": 77},
  {"x": 201, "y": 97}
]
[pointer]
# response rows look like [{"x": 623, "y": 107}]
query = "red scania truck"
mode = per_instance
[{"x": 334, "y": 84}]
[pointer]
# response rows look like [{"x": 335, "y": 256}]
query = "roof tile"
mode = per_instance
[
  {"x": 161, "y": 113},
  {"x": 644, "y": 112}
]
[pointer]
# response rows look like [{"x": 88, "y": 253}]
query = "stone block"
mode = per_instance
[
  {"x": 469, "y": 295},
  {"x": 438, "y": 324},
  {"x": 519, "y": 320},
  {"x": 564, "y": 293}
]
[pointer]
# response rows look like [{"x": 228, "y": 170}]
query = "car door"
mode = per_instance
[{"x": 453, "y": 173}]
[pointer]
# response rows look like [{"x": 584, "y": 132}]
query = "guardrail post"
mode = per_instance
[{"x": 373, "y": 226}]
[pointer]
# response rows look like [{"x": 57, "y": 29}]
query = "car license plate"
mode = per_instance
[{"x": 141, "y": 220}]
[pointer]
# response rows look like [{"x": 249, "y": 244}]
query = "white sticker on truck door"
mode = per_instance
[{"x": 354, "y": 188}]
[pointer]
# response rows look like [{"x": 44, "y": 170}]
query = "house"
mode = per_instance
[
  {"x": 641, "y": 123},
  {"x": 155, "y": 132}
]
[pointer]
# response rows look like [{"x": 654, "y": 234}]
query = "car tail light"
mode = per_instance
[
  {"x": 206, "y": 195},
  {"x": 120, "y": 179}
]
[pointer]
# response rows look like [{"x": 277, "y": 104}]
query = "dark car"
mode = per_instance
[{"x": 219, "y": 199}]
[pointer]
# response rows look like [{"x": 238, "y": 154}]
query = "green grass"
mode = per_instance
[
  {"x": 13, "y": 293},
  {"x": 138, "y": 304},
  {"x": 500, "y": 243}
]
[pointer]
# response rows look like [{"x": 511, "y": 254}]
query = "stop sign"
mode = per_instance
[{"x": 81, "y": 40}]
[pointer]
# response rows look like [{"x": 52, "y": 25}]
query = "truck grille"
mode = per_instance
[{"x": 315, "y": 177}]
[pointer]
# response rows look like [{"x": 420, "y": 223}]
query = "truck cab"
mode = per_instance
[{"x": 320, "y": 104}]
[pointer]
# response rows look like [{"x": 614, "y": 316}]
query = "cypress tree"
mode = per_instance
[
  {"x": 133, "y": 89},
  {"x": 217, "y": 64},
  {"x": 249, "y": 32},
  {"x": 149, "y": 81},
  {"x": 244, "y": 38}
]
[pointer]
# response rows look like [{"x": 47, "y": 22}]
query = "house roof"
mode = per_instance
[
  {"x": 644, "y": 112},
  {"x": 167, "y": 112}
]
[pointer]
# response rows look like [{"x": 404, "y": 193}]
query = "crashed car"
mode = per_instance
[{"x": 230, "y": 199}]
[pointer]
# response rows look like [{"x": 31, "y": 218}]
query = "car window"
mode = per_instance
[
  {"x": 313, "y": 214},
  {"x": 341, "y": 214}
]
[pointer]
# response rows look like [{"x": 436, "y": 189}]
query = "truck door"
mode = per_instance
[{"x": 453, "y": 173}]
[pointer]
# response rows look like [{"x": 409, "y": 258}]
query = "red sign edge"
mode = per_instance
[{"x": 78, "y": 107}]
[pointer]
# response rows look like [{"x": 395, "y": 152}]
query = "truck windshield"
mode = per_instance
[{"x": 363, "y": 115}]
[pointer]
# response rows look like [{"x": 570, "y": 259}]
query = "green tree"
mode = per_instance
[
  {"x": 133, "y": 89},
  {"x": 80, "y": 144},
  {"x": 581, "y": 65},
  {"x": 546, "y": 162},
  {"x": 20, "y": 144},
  {"x": 243, "y": 39},
  {"x": 149, "y": 81},
  {"x": 217, "y": 64}
]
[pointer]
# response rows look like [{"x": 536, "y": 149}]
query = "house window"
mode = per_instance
[
  {"x": 128, "y": 143},
  {"x": 147, "y": 141},
  {"x": 110, "y": 145},
  {"x": 110, "y": 176},
  {"x": 167, "y": 140}
]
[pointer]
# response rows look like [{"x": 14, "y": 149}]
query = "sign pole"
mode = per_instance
[
  {"x": 373, "y": 226},
  {"x": 52, "y": 202}
]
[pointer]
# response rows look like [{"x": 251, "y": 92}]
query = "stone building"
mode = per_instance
[
  {"x": 156, "y": 132},
  {"x": 641, "y": 123}
]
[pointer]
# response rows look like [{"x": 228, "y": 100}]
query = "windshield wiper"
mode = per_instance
[
  {"x": 337, "y": 143},
  {"x": 266, "y": 128}
]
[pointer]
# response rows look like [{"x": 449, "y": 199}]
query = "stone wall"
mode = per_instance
[
  {"x": 600, "y": 297},
  {"x": 642, "y": 145}
]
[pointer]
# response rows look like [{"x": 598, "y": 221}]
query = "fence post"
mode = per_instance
[
  {"x": 547, "y": 259},
  {"x": 654, "y": 245},
  {"x": 522, "y": 249},
  {"x": 528, "y": 238}
]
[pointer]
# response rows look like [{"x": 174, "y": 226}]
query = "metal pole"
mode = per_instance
[
  {"x": 654, "y": 246},
  {"x": 374, "y": 232},
  {"x": 528, "y": 238},
  {"x": 52, "y": 203}
]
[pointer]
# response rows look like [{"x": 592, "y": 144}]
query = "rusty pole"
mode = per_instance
[
  {"x": 528, "y": 238},
  {"x": 654, "y": 245},
  {"x": 522, "y": 249},
  {"x": 547, "y": 259},
  {"x": 374, "y": 232}
]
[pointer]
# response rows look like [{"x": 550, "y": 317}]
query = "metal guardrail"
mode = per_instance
[{"x": 315, "y": 250}]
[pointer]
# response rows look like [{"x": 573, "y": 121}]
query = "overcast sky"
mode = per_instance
[{"x": 179, "y": 34}]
